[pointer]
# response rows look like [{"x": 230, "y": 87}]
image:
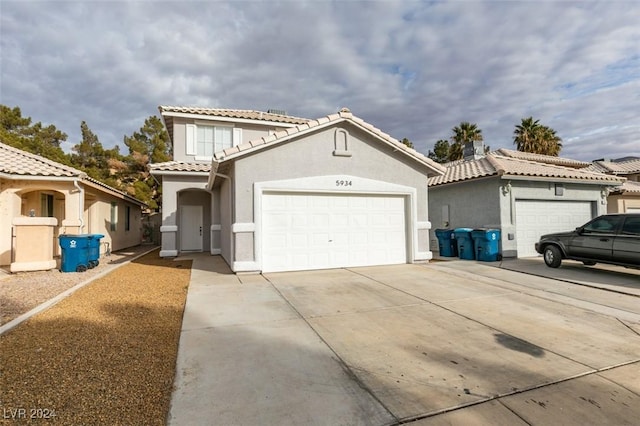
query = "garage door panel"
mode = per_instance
[
  {"x": 315, "y": 231},
  {"x": 535, "y": 218}
]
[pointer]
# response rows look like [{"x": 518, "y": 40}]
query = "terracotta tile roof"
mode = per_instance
[
  {"x": 617, "y": 168},
  {"x": 497, "y": 164},
  {"x": 627, "y": 187},
  {"x": 14, "y": 161},
  {"x": 235, "y": 113},
  {"x": 343, "y": 116},
  {"x": 181, "y": 166},
  {"x": 539, "y": 158}
]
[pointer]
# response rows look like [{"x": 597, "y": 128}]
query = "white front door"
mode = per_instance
[
  {"x": 318, "y": 231},
  {"x": 535, "y": 218},
  {"x": 191, "y": 228}
]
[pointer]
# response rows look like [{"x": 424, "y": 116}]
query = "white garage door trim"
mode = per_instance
[
  {"x": 537, "y": 217},
  {"x": 309, "y": 230},
  {"x": 337, "y": 185}
]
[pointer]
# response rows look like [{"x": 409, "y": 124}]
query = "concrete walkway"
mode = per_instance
[{"x": 443, "y": 343}]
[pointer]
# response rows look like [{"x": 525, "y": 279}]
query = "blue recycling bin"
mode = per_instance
[
  {"x": 464, "y": 243},
  {"x": 487, "y": 243},
  {"x": 94, "y": 249},
  {"x": 75, "y": 252},
  {"x": 447, "y": 242}
]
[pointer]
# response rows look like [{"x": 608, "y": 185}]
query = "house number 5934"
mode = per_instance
[{"x": 344, "y": 183}]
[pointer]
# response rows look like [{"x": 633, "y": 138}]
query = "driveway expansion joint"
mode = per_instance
[{"x": 341, "y": 362}]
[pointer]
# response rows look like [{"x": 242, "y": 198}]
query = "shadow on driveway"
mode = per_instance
[{"x": 615, "y": 278}]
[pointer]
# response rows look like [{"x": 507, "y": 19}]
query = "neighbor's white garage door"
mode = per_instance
[
  {"x": 303, "y": 231},
  {"x": 535, "y": 218}
]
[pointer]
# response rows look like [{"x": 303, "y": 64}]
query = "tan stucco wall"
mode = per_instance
[
  {"x": 97, "y": 220},
  {"x": 74, "y": 214},
  {"x": 18, "y": 197},
  {"x": 620, "y": 203}
]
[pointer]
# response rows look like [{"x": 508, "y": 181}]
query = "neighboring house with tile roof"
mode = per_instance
[
  {"x": 270, "y": 192},
  {"x": 41, "y": 199},
  {"x": 524, "y": 195},
  {"x": 625, "y": 198}
]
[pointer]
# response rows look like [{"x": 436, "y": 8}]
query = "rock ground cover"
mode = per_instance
[
  {"x": 23, "y": 291},
  {"x": 104, "y": 355}
]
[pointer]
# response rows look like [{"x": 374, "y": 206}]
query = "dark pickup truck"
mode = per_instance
[{"x": 612, "y": 238}]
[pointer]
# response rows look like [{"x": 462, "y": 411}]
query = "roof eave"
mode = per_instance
[
  {"x": 12, "y": 176},
  {"x": 226, "y": 119},
  {"x": 437, "y": 169},
  {"x": 560, "y": 179},
  {"x": 177, "y": 173}
]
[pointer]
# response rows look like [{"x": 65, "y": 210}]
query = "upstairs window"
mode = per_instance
[{"x": 203, "y": 141}]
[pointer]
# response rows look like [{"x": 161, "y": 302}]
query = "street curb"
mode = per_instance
[{"x": 51, "y": 302}]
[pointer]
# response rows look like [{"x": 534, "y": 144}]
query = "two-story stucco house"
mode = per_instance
[{"x": 270, "y": 192}]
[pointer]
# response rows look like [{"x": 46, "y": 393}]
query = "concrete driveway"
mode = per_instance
[{"x": 442, "y": 343}]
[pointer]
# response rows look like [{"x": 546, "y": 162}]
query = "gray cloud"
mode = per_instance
[{"x": 413, "y": 69}]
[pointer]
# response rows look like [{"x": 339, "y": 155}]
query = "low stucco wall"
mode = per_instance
[{"x": 34, "y": 244}]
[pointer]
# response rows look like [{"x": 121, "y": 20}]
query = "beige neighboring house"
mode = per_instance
[
  {"x": 270, "y": 192},
  {"x": 41, "y": 199},
  {"x": 524, "y": 195},
  {"x": 625, "y": 198}
]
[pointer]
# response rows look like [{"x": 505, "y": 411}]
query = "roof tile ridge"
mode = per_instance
[{"x": 495, "y": 163}]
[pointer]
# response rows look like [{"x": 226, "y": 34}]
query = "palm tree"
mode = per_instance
[
  {"x": 551, "y": 143},
  {"x": 465, "y": 132},
  {"x": 531, "y": 136},
  {"x": 525, "y": 135}
]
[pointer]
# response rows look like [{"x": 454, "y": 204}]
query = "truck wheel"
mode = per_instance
[{"x": 552, "y": 256}]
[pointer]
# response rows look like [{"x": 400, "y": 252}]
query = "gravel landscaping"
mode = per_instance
[{"x": 104, "y": 355}]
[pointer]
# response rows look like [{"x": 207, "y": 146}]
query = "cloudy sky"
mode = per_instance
[{"x": 414, "y": 69}]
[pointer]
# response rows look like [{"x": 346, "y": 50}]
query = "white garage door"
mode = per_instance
[
  {"x": 303, "y": 231},
  {"x": 535, "y": 218},
  {"x": 633, "y": 210}
]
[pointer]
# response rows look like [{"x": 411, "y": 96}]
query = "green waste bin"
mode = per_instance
[
  {"x": 75, "y": 252},
  {"x": 465, "y": 243},
  {"x": 94, "y": 250},
  {"x": 447, "y": 242},
  {"x": 487, "y": 243}
]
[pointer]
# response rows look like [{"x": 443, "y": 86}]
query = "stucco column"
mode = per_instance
[
  {"x": 169, "y": 227},
  {"x": 74, "y": 211}
]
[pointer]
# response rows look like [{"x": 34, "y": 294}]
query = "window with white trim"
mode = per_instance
[{"x": 204, "y": 141}]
